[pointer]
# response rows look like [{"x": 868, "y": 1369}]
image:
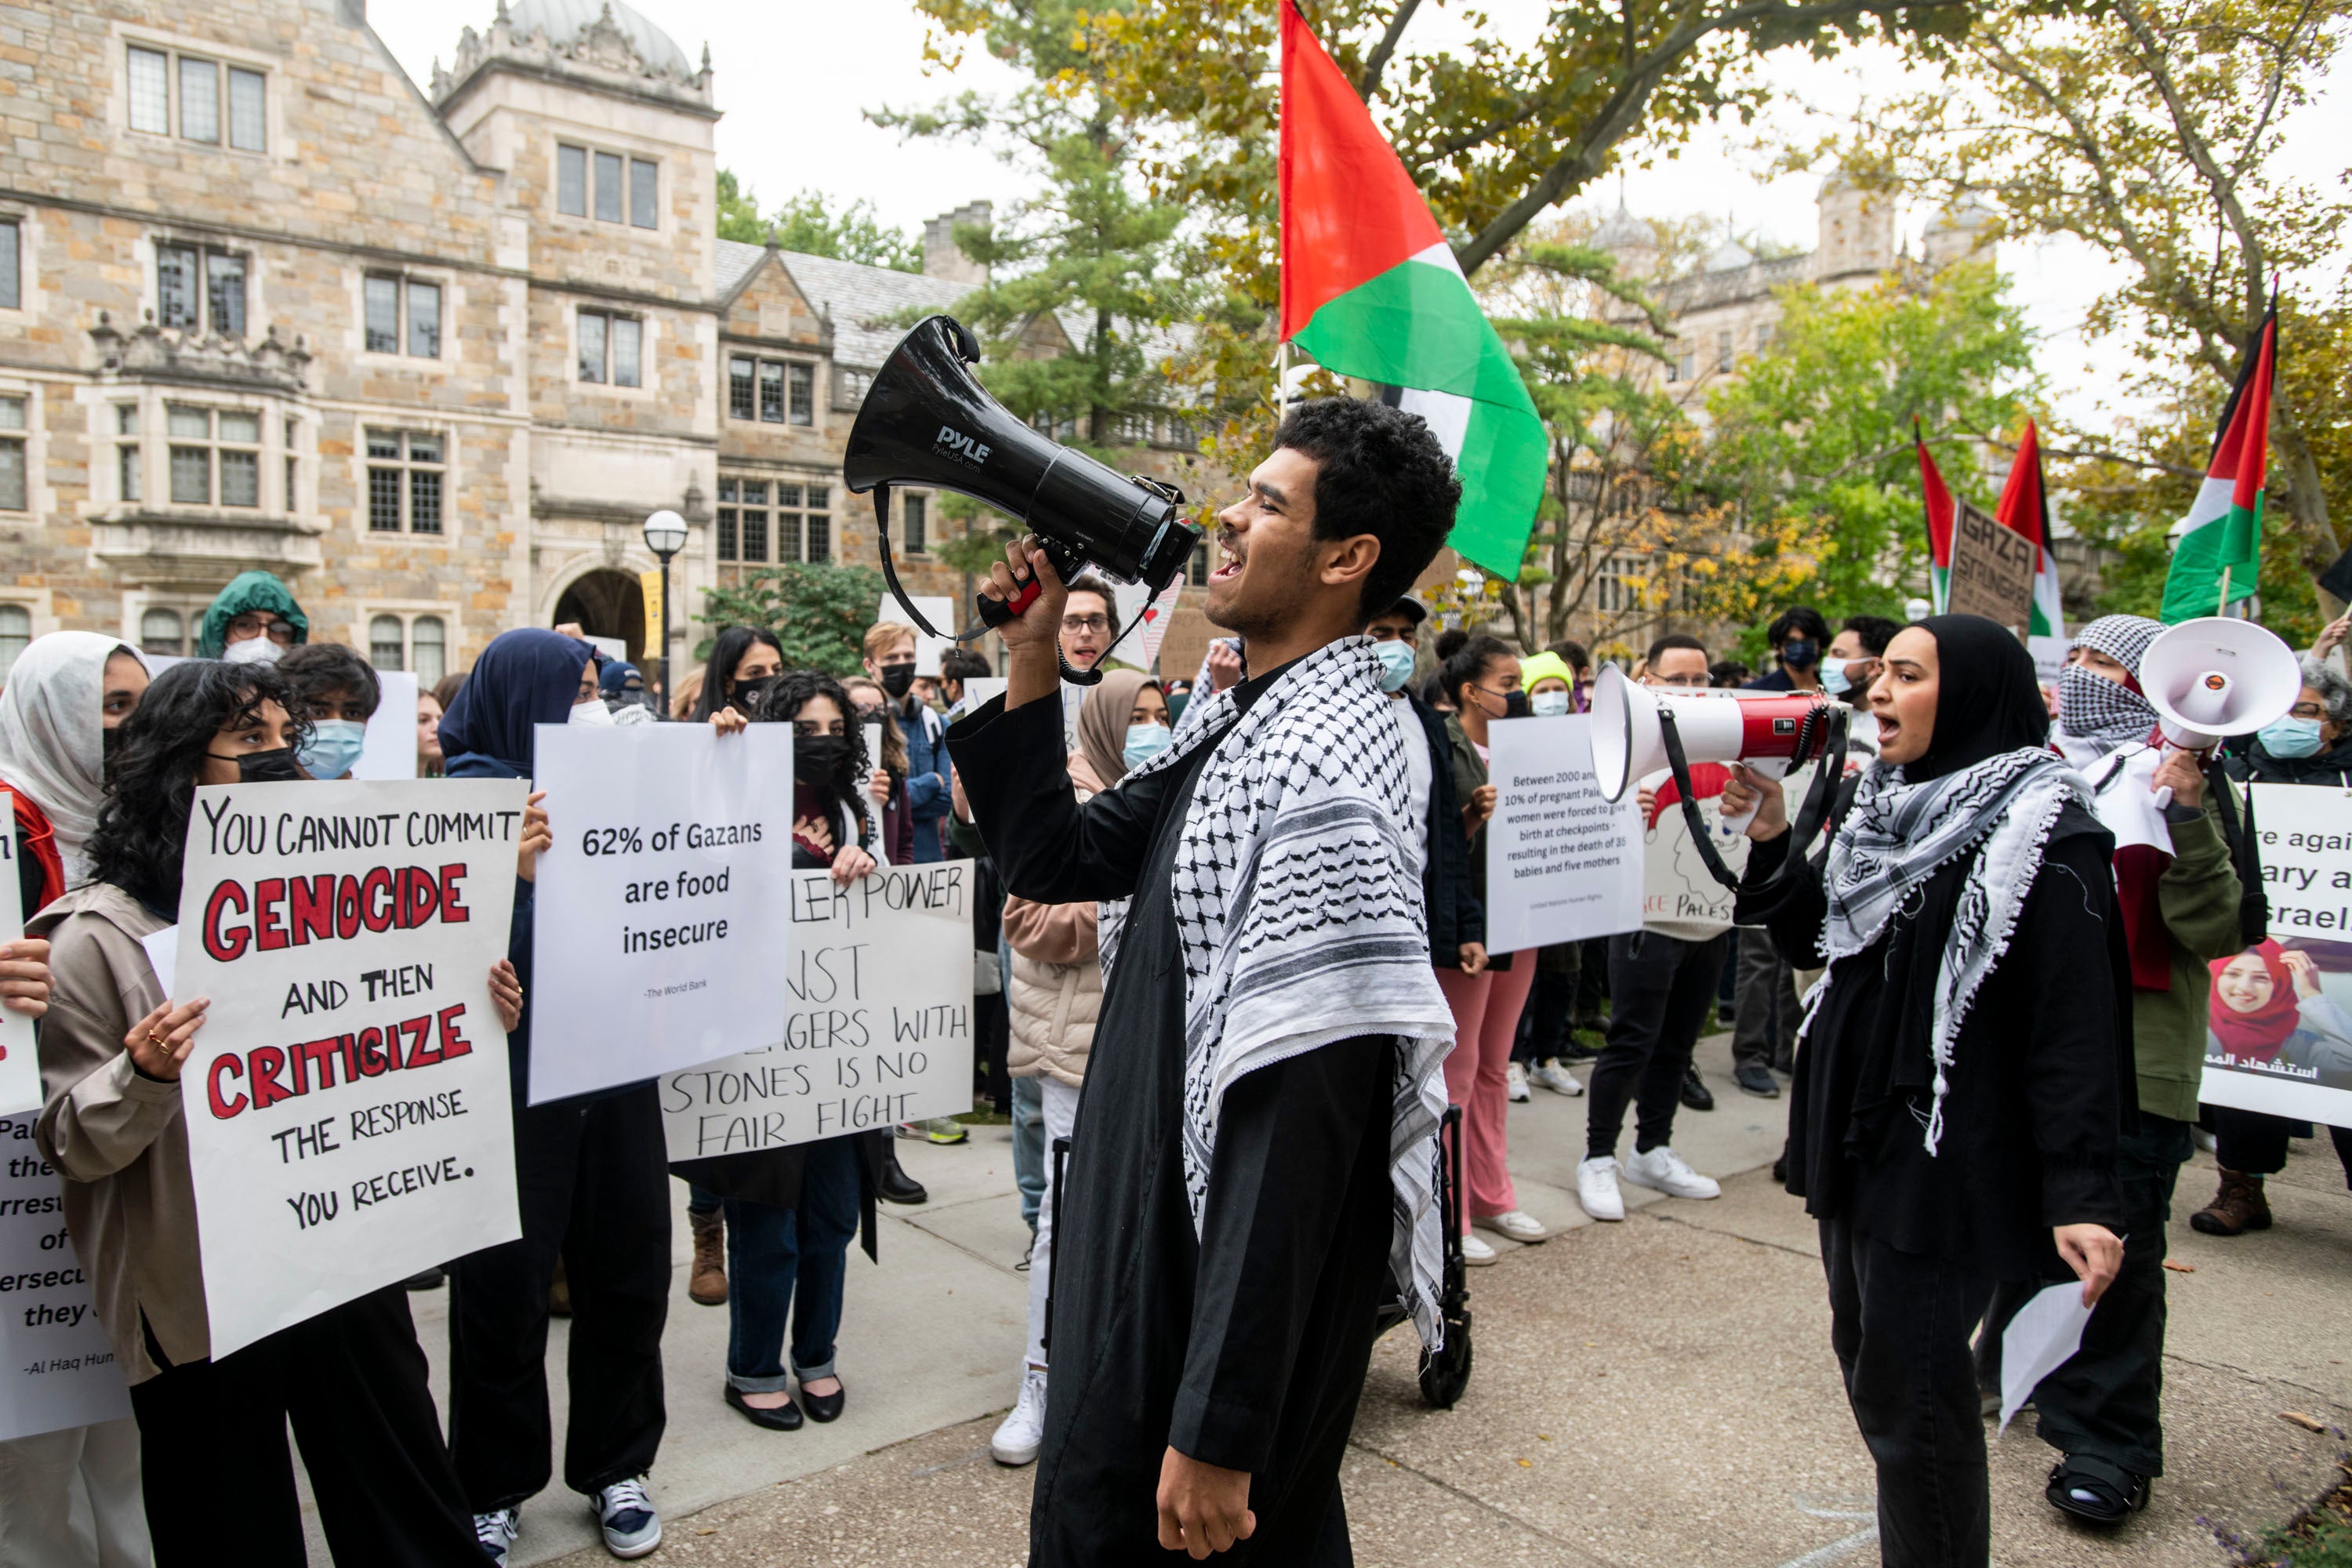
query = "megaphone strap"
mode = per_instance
[{"x": 1823, "y": 735}]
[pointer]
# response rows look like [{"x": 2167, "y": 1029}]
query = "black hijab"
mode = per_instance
[
  {"x": 525, "y": 679},
  {"x": 1988, "y": 700}
]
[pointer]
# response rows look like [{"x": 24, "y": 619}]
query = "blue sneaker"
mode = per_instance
[{"x": 627, "y": 1516}]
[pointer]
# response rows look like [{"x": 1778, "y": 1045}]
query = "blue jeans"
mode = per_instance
[
  {"x": 795, "y": 1260},
  {"x": 1029, "y": 1146}
]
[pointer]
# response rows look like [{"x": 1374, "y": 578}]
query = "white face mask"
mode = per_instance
[
  {"x": 252, "y": 650},
  {"x": 1549, "y": 704},
  {"x": 593, "y": 713}
]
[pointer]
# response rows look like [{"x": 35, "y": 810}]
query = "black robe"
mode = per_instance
[
  {"x": 1243, "y": 1348},
  {"x": 2043, "y": 1078}
]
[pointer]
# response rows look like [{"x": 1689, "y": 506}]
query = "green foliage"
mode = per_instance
[
  {"x": 1813, "y": 440},
  {"x": 819, "y": 611},
  {"x": 809, "y": 224}
]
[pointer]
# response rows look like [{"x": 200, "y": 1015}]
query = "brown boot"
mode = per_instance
[
  {"x": 708, "y": 1283},
  {"x": 2237, "y": 1208}
]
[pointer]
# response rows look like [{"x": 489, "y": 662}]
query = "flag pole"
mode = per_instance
[{"x": 2223, "y": 607}]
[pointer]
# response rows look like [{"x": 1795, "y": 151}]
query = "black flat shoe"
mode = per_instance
[
  {"x": 1696, "y": 1096},
  {"x": 825, "y": 1407},
  {"x": 2095, "y": 1491},
  {"x": 896, "y": 1186},
  {"x": 785, "y": 1417}
]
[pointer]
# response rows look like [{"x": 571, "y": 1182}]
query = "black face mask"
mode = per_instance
[
  {"x": 747, "y": 694},
  {"x": 1800, "y": 654},
  {"x": 898, "y": 679},
  {"x": 818, "y": 759},
  {"x": 265, "y": 767},
  {"x": 1515, "y": 705}
]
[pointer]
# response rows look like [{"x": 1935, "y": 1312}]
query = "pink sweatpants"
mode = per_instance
[{"x": 1486, "y": 1009}]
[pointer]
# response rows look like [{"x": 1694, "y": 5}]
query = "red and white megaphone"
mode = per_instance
[
  {"x": 1770, "y": 731},
  {"x": 2216, "y": 676}
]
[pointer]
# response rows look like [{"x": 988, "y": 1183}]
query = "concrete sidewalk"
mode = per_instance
[{"x": 1657, "y": 1391}]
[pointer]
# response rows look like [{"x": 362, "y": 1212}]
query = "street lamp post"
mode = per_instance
[{"x": 665, "y": 536}]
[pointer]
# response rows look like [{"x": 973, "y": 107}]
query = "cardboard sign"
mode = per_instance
[
  {"x": 346, "y": 1100},
  {"x": 2280, "y": 1036},
  {"x": 1562, "y": 863},
  {"x": 877, "y": 1020},
  {"x": 389, "y": 750},
  {"x": 660, "y": 918},
  {"x": 56, "y": 1368},
  {"x": 20, "y": 1071},
  {"x": 1993, "y": 569}
]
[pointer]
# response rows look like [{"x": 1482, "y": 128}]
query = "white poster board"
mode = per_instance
[
  {"x": 389, "y": 750},
  {"x": 2048, "y": 656},
  {"x": 875, "y": 1000},
  {"x": 56, "y": 1368},
  {"x": 662, "y": 903},
  {"x": 20, "y": 1071},
  {"x": 939, "y": 610},
  {"x": 1562, "y": 863},
  {"x": 979, "y": 691},
  {"x": 1678, "y": 889},
  {"x": 346, "y": 1100},
  {"x": 2279, "y": 1033},
  {"x": 1156, "y": 616}
]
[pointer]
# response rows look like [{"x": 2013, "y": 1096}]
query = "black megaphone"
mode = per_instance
[{"x": 928, "y": 421}]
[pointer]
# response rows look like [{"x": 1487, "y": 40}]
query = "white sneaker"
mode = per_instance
[
  {"x": 1519, "y": 1094},
  {"x": 1023, "y": 1432},
  {"x": 1476, "y": 1253},
  {"x": 495, "y": 1532},
  {"x": 1596, "y": 1187},
  {"x": 1664, "y": 1169},
  {"x": 1517, "y": 1224},
  {"x": 1557, "y": 1078},
  {"x": 626, "y": 1514}
]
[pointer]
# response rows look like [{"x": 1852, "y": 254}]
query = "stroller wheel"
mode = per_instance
[{"x": 1445, "y": 1374}]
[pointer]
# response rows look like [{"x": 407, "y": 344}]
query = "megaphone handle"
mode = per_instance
[{"x": 997, "y": 612}]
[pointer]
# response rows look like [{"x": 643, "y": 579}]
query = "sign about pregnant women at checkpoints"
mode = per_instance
[
  {"x": 346, "y": 1098},
  {"x": 875, "y": 1008},
  {"x": 1562, "y": 863},
  {"x": 662, "y": 927}
]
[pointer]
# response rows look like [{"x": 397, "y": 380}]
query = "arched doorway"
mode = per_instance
[{"x": 607, "y": 604}]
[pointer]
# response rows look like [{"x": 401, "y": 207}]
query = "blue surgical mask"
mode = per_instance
[
  {"x": 334, "y": 746},
  {"x": 1833, "y": 681},
  {"x": 2290, "y": 737},
  {"x": 1800, "y": 654},
  {"x": 1145, "y": 742},
  {"x": 1396, "y": 664},
  {"x": 1549, "y": 704}
]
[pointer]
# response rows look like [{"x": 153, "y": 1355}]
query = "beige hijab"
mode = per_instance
[
  {"x": 52, "y": 724},
  {"x": 1102, "y": 722}
]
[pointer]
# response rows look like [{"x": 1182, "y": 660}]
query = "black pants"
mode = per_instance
[
  {"x": 219, "y": 1482},
  {"x": 1660, "y": 991},
  {"x": 1544, "y": 1026},
  {"x": 594, "y": 1181},
  {"x": 1765, "y": 1009},
  {"x": 2106, "y": 1401},
  {"x": 1900, "y": 1324},
  {"x": 2256, "y": 1141}
]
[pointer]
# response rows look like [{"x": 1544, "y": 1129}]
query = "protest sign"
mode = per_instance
[
  {"x": 2048, "y": 656},
  {"x": 1678, "y": 892},
  {"x": 20, "y": 1072},
  {"x": 389, "y": 750},
  {"x": 346, "y": 1100},
  {"x": 979, "y": 691},
  {"x": 661, "y": 919},
  {"x": 874, "y": 1020},
  {"x": 1993, "y": 569},
  {"x": 55, "y": 1366},
  {"x": 2279, "y": 1030},
  {"x": 1562, "y": 864}
]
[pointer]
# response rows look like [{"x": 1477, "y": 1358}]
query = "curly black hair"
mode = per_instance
[
  {"x": 1378, "y": 470},
  {"x": 142, "y": 823},
  {"x": 785, "y": 696}
]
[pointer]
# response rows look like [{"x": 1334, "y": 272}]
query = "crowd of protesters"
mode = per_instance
[{"x": 2075, "y": 1137}]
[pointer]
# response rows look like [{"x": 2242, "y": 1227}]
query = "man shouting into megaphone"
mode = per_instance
[{"x": 1254, "y": 1156}]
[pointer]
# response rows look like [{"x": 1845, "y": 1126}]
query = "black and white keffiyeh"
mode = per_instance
[
  {"x": 1897, "y": 834},
  {"x": 2095, "y": 715},
  {"x": 1299, "y": 913}
]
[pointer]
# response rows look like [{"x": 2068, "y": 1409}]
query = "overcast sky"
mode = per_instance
[{"x": 794, "y": 76}]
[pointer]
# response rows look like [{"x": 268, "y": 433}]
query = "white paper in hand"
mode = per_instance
[{"x": 2041, "y": 1338}]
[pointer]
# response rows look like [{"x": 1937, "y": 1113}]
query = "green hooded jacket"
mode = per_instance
[{"x": 249, "y": 590}]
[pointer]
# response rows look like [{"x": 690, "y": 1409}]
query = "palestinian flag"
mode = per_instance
[
  {"x": 2217, "y": 551},
  {"x": 1938, "y": 499},
  {"x": 2025, "y": 509},
  {"x": 1371, "y": 289}
]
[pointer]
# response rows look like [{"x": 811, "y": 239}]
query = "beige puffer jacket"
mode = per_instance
[{"x": 1056, "y": 988}]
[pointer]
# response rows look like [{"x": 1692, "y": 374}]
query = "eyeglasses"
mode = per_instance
[
  {"x": 275, "y": 630},
  {"x": 1085, "y": 623}
]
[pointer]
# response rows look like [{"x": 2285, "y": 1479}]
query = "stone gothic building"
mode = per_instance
[{"x": 433, "y": 355}]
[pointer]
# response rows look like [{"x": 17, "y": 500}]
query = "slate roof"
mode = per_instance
[{"x": 863, "y": 300}]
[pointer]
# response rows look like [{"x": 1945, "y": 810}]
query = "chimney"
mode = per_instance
[{"x": 941, "y": 259}]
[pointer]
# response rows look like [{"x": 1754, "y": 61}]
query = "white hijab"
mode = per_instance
[{"x": 52, "y": 734}]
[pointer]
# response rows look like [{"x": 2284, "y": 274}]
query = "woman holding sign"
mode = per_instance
[
  {"x": 351, "y": 1379},
  {"x": 592, "y": 1185},
  {"x": 791, "y": 1211}
]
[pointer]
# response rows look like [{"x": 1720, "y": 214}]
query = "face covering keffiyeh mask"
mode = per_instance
[
  {"x": 1298, "y": 909},
  {"x": 2094, "y": 713}
]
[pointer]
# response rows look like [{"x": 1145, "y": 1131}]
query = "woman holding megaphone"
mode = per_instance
[{"x": 1959, "y": 1087}]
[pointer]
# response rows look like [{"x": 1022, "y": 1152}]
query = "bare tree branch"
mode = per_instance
[{"x": 1369, "y": 86}]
